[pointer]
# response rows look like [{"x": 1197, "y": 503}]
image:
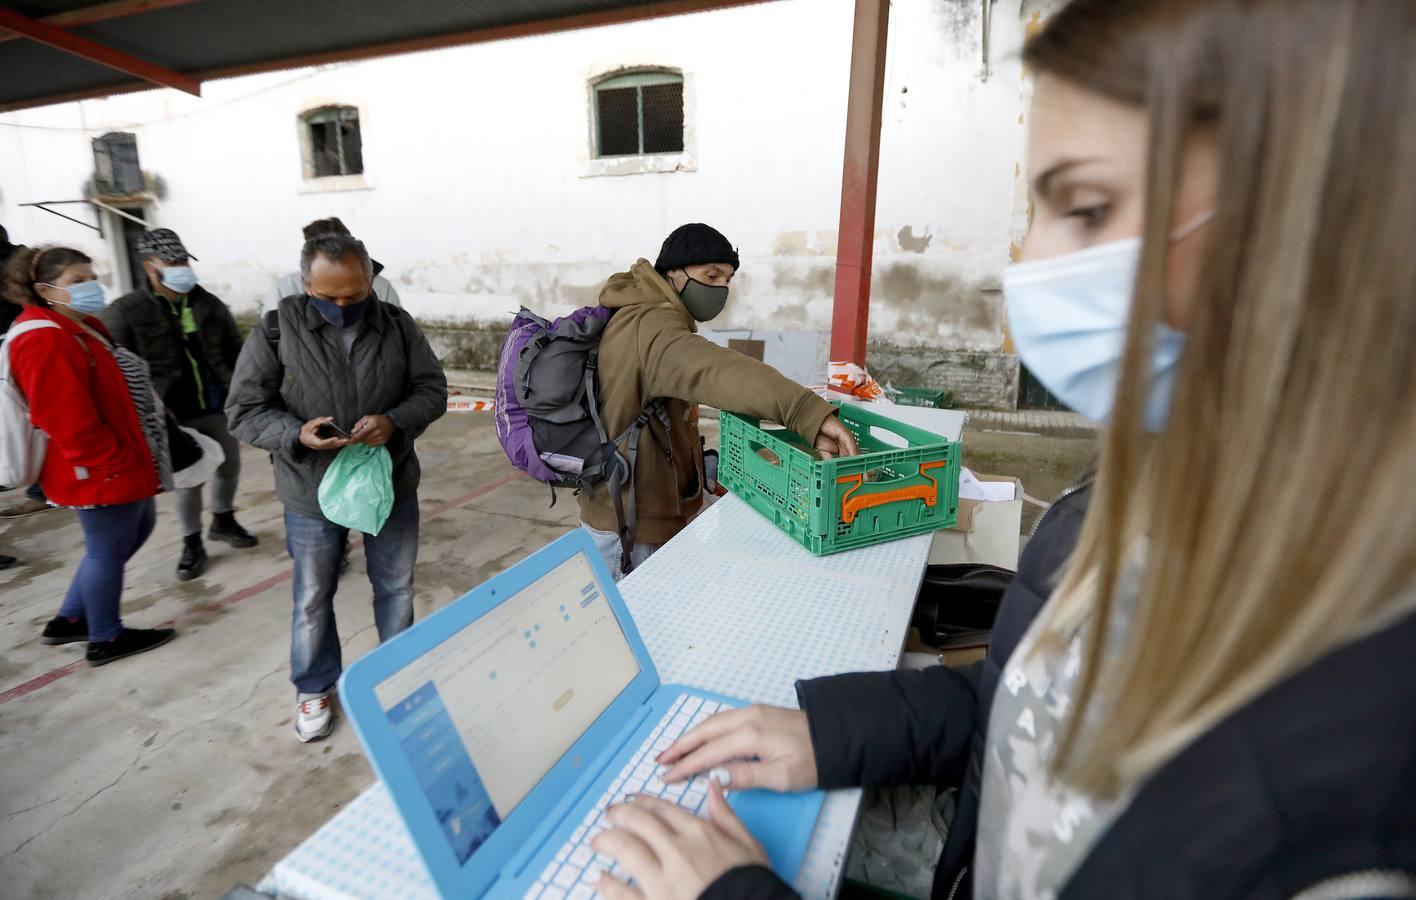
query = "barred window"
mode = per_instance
[
  {"x": 639, "y": 113},
  {"x": 335, "y": 144}
]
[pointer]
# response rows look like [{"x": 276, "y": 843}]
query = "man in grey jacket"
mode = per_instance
[{"x": 337, "y": 356}]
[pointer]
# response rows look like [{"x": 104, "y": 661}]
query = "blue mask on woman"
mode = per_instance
[
  {"x": 85, "y": 297},
  {"x": 1067, "y": 316},
  {"x": 340, "y": 316}
]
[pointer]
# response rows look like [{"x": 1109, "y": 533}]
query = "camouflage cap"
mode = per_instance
[{"x": 164, "y": 244}]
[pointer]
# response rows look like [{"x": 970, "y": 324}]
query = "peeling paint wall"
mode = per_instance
[{"x": 479, "y": 197}]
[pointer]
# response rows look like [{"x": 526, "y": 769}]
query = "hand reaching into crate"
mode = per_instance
[{"x": 836, "y": 439}]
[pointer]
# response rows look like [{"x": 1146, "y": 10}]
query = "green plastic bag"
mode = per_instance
[{"x": 357, "y": 488}]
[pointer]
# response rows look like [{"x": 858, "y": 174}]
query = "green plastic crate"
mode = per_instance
[
  {"x": 827, "y": 506},
  {"x": 933, "y": 398}
]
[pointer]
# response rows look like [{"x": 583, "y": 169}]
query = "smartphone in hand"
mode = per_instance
[{"x": 330, "y": 430}]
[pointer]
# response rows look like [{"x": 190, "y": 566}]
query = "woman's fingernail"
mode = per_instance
[{"x": 722, "y": 776}]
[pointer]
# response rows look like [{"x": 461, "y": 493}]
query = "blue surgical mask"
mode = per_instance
[
  {"x": 1067, "y": 316},
  {"x": 85, "y": 297},
  {"x": 340, "y": 316},
  {"x": 179, "y": 278}
]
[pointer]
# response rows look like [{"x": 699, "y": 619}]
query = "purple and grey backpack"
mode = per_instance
[{"x": 548, "y": 411}]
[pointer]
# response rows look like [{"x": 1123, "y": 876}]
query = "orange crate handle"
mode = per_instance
[{"x": 852, "y": 502}]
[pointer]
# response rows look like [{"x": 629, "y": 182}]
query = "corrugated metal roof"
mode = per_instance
[
  {"x": 33, "y": 70},
  {"x": 38, "y": 8},
  {"x": 214, "y": 38}
]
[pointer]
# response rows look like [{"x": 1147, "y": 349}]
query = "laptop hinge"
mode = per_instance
[{"x": 518, "y": 862}]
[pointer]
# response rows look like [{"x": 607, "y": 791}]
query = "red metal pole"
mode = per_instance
[
  {"x": 864, "y": 110},
  {"x": 84, "y": 48}
]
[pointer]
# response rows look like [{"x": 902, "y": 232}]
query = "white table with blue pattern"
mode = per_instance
[{"x": 730, "y": 605}]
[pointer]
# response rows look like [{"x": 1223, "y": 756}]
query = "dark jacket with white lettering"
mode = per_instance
[{"x": 1312, "y": 780}]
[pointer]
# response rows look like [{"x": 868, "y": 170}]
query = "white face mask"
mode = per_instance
[{"x": 1067, "y": 316}]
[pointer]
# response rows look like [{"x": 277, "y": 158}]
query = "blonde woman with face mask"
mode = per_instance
[{"x": 1201, "y": 680}]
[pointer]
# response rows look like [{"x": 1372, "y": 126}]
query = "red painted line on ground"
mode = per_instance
[
  {"x": 479, "y": 493},
  {"x": 260, "y": 587},
  {"x": 35, "y": 684}
]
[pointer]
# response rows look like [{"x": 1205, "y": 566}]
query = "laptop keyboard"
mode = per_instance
[{"x": 576, "y": 868}]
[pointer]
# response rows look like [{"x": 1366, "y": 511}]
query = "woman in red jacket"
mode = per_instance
[{"x": 99, "y": 460}]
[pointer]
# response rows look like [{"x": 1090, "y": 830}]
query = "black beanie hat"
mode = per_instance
[{"x": 695, "y": 245}]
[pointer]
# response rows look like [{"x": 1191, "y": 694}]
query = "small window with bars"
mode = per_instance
[
  {"x": 639, "y": 114},
  {"x": 336, "y": 146}
]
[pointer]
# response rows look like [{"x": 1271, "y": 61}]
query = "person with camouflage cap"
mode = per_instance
[{"x": 190, "y": 340}]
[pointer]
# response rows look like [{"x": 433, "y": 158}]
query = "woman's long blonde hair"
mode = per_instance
[{"x": 1276, "y": 515}]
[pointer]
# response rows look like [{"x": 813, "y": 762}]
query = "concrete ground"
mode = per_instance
[{"x": 176, "y": 774}]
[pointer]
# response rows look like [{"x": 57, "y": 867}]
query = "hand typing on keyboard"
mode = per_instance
[
  {"x": 670, "y": 853},
  {"x": 584, "y": 866},
  {"x": 756, "y": 747}
]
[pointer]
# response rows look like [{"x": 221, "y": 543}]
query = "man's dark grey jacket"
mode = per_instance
[{"x": 391, "y": 371}]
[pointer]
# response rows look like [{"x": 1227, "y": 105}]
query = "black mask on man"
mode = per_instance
[
  {"x": 704, "y": 301},
  {"x": 340, "y": 316}
]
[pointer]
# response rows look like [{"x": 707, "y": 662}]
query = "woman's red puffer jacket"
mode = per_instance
[{"x": 97, "y": 454}]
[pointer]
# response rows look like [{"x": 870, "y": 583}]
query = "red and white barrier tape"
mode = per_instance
[{"x": 458, "y": 403}]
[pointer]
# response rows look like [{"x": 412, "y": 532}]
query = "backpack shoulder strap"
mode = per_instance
[
  {"x": 270, "y": 323},
  {"x": 400, "y": 318},
  {"x": 624, "y": 471},
  {"x": 20, "y": 328},
  {"x": 15, "y": 331}
]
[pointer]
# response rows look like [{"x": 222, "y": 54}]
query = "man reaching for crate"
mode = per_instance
[{"x": 650, "y": 351}]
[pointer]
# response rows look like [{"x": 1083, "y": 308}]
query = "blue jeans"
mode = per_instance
[
  {"x": 112, "y": 534},
  {"x": 315, "y": 546}
]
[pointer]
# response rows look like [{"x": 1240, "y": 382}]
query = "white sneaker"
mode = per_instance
[{"x": 314, "y": 716}]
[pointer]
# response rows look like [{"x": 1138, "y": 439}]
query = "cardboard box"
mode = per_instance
[
  {"x": 985, "y": 532},
  {"x": 919, "y": 655},
  {"x": 751, "y": 349},
  {"x": 968, "y": 509}
]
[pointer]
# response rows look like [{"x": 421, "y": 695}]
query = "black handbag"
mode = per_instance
[{"x": 957, "y": 604}]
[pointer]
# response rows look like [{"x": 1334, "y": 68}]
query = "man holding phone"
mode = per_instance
[
  {"x": 331, "y": 430},
  {"x": 332, "y": 367}
]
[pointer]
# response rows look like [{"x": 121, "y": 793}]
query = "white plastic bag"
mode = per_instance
[
  {"x": 201, "y": 471},
  {"x": 849, "y": 378}
]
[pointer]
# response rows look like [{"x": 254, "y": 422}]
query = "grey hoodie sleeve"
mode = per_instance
[
  {"x": 254, "y": 408},
  {"x": 385, "y": 291},
  {"x": 426, "y": 401}
]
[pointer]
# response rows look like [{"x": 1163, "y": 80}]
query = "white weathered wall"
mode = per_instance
[{"x": 475, "y": 157}]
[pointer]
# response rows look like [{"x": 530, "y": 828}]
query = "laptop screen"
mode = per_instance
[{"x": 484, "y": 715}]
